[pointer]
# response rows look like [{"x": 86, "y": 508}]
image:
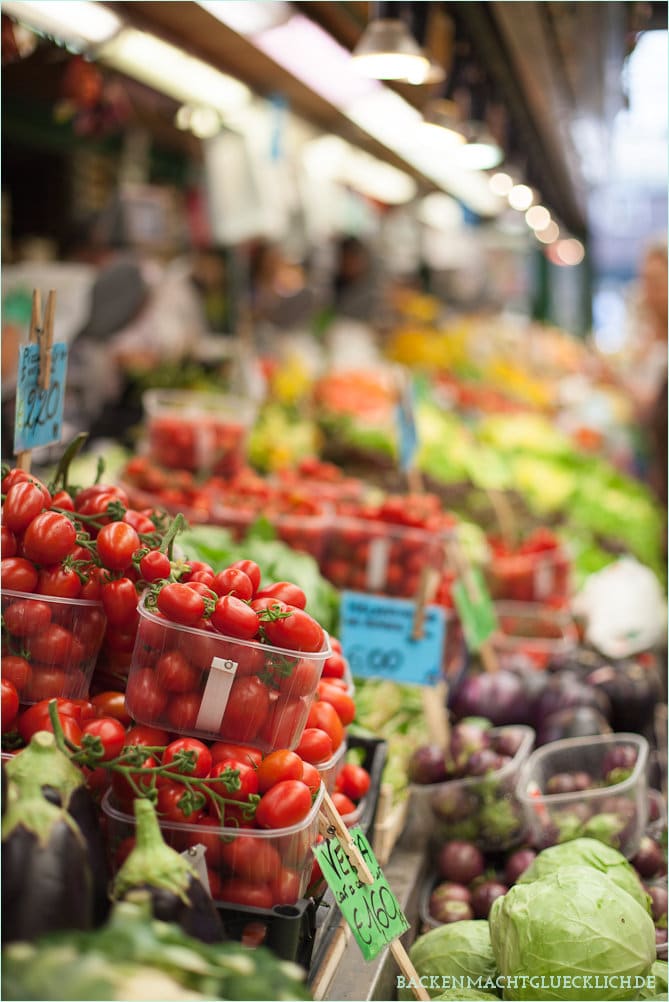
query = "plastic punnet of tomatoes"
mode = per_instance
[
  {"x": 538, "y": 570},
  {"x": 197, "y": 431},
  {"x": 532, "y": 635},
  {"x": 330, "y": 770},
  {"x": 256, "y": 867},
  {"x": 197, "y": 681},
  {"x": 49, "y": 644}
]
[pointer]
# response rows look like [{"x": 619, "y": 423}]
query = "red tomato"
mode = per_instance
[
  {"x": 49, "y": 538},
  {"x": 335, "y": 665},
  {"x": 175, "y": 673},
  {"x": 150, "y": 737},
  {"x": 287, "y": 803},
  {"x": 301, "y": 681},
  {"x": 246, "y": 710},
  {"x": 233, "y": 581},
  {"x": 111, "y": 734},
  {"x": 245, "y": 782},
  {"x": 297, "y": 632},
  {"x": 24, "y": 502},
  {"x": 59, "y": 581},
  {"x": 119, "y": 600},
  {"x": 284, "y": 591},
  {"x": 311, "y": 776},
  {"x": 111, "y": 704},
  {"x": 62, "y": 500},
  {"x": 117, "y": 542},
  {"x": 17, "y": 670},
  {"x": 14, "y": 476},
  {"x": 194, "y": 567},
  {"x": 251, "y": 570},
  {"x": 341, "y": 701},
  {"x": 91, "y": 588},
  {"x": 10, "y": 704},
  {"x": 168, "y": 805},
  {"x": 95, "y": 499},
  {"x": 201, "y": 578},
  {"x": 144, "y": 697},
  {"x": 251, "y": 859},
  {"x": 36, "y": 718},
  {"x": 124, "y": 793},
  {"x": 27, "y": 616},
  {"x": 344, "y": 804},
  {"x": 242, "y": 892},
  {"x": 56, "y": 646},
  {"x": 285, "y": 887},
  {"x": 18, "y": 574},
  {"x": 221, "y": 750},
  {"x": 98, "y": 781},
  {"x": 250, "y": 660},
  {"x": 208, "y": 835},
  {"x": 353, "y": 781},
  {"x": 315, "y": 746},
  {"x": 183, "y": 710},
  {"x": 181, "y": 604},
  {"x": 140, "y": 523},
  {"x": 188, "y": 756},
  {"x": 284, "y": 721},
  {"x": 46, "y": 682},
  {"x": 278, "y": 765},
  {"x": 8, "y": 544},
  {"x": 155, "y": 565},
  {"x": 235, "y": 618},
  {"x": 335, "y": 644},
  {"x": 325, "y": 716}
]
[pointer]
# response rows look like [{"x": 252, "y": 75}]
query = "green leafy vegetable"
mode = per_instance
[{"x": 457, "y": 950}]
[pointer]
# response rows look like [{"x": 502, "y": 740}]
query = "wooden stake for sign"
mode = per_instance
[
  {"x": 41, "y": 333},
  {"x": 436, "y": 716},
  {"x": 504, "y": 514},
  {"x": 427, "y": 588},
  {"x": 408, "y": 970}
]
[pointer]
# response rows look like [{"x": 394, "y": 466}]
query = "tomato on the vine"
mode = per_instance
[
  {"x": 10, "y": 703},
  {"x": 221, "y": 750},
  {"x": 59, "y": 581},
  {"x": 150, "y": 737},
  {"x": 111, "y": 704},
  {"x": 192, "y": 750},
  {"x": 116, "y": 544},
  {"x": 119, "y": 600},
  {"x": 24, "y": 501},
  {"x": 246, "y": 775},
  {"x": 111, "y": 734},
  {"x": 278, "y": 765},
  {"x": 170, "y": 793},
  {"x": 36, "y": 718},
  {"x": 49, "y": 538},
  {"x": 286, "y": 803},
  {"x": 61, "y": 499},
  {"x": 180, "y": 603},
  {"x": 155, "y": 565}
]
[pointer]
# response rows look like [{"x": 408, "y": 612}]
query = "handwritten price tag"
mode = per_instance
[
  {"x": 377, "y": 636},
  {"x": 475, "y": 608},
  {"x": 39, "y": 413},
  {"x": 371, "y": 910}
]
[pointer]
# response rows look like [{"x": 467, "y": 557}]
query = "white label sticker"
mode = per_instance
[
  {"x": 544, "y": 578},
  {"x": 216, "y": 694},
  {"x": 377, "y": 563}
]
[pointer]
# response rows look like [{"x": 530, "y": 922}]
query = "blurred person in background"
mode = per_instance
[
  {"x": 279, "y": 296},
  {"x": 355, "y": 286}
]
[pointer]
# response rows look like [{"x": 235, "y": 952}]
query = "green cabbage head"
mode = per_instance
[
  {"x": 588, "y": 852},
  {"x": 466, "y": 995},
  {"x": 455, "y": 950},
  {"x": 574, "y": 923}
]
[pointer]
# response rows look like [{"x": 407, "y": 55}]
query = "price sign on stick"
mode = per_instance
[
  {"x": 475, "y": 607},
  {"x": 40, "y": 388},
  {"x": 361, "y": 890}
]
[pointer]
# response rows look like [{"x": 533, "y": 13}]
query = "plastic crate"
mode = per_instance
[
  {"x": 289, "y": 931},
  {"x": 531, "y": 635}
]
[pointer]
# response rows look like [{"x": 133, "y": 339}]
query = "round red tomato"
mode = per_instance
[
  {"x": 188, "y": 756},
  {"x": 8, "y": 544},
  {"x": 278, "y": 765},
  {"x": 341, "y": 701},
  {"x": 111, "y": 704},
  {"x": 297, "y": 632},
  {"x": 285, "y": 887},
  {"x": 155, "y": 565},
  {"x": 123, "y": 791},
  {"x": 149, "y": 737},
  {"x": 251, "y": 570},
  {"x": 181, "y": 604},
  {"x": 240, "y": 786},
  {"x": 110, "y": 733},
  {"x": 144, "y": 697},
  {"x": 27, "y": 616},
  {"x": 284, "y": 591},
  {"x": 208, "y": 835},
  {"x": 353, "y": 781},
  {"x": 325, "y": 716},
  {"x": 335, "y": 665},
  {"x": 170, "y": 806},
  {"x": 183, "y": 710},
  {"x": 91, "y": 587},
  {"x": 139, "y": 521},
  {"x": 284, "y": 722},
  {"x": 119, "y": 600},
  {"x": 18, "y": 574},
  {"x": 10, "y": 703},
  {"x": 233, "y": 581},
  {"x": 221, "y": 750},
  {"x": 251, "y": 859},
  {"x": 315, "y": 746},
  {"x": 49, "y": 538},
  {"x": 246, "y": 710},
  {"x": 241, "y": 892},
  {"x": 175, "y": 673},
  {"x": 62, "y": 500},
  {"x": 301, "y": 681},
  {"x": 17, "y": 670},
  {"x": 59, "y": 581},
  {"x": 344, "y": 804},
  {"x": 311, "y": 776},
  {"x": 36, "y": 718},
  {"x": 235, "y": 618},
  {"x": 23, "y": 503},
  {"x": 117, "y": 542},
  {"x": 285, "y": 804},
  {"x": 55, "y": 646}
]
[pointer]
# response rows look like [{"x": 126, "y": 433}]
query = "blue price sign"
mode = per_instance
[
  {"x": 39, "y": 413},
  {"x": 406, "y": 428},
  {"x": 377, "y": 636}
]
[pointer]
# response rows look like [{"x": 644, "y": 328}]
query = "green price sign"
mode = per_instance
[
  {"x": 371, "y": 910},
  {"x": 475, "y": 608}
]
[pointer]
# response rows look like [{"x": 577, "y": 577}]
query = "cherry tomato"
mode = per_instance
[
  {"x": 144, "y": 697},
  {"x": 117, "y": 542},
  {"x": 18, "y": 574},
  {"x": 181, "y": 604},
  {"x": 49, "y": 538},
  {"x": 111, "y": 704},
  {"x": 123, "y": 792},
  {"x": 335, "y": 644},
  {"x": 208, "y": 835},
  {"x": 59, "y": 581},
  {"x": 168, "y": 805},
  {"x": 315, "y": 746},
  {"x": 251, "y": 859},
  {"x": 151, "y": 737},
  {"x": 195, "y": 567},
  {"x": 46, "y": 682},
  {"x": 14, "y": 476},
  {"x": 119, "y": 600},
  {"x": 98, "y": 781},
  {"x": 55, "y": 646},
  {"x": 301, "y": 681},
  {"x": 111, "y": 734},
  {"x": 246, "y": 710},
  {"x": 234, "y": 618},
  {"x": 334, "y": 666},
  {"x": 246, "y": 777},
  {"x": 286, "y": 719},
  {"x": 233, "y": 581},
  {"x": 183, "y": 751},
  {"x": 325, "y": 716},
  {"x": 200, "y": 588},
  {"x": 27, "y": 616},
  {"x": 221, "y": 750},
  {"x": 17, "y": 670},
  {"x": 8, "y": 544},
  {"x": 344, "y": 804},
  {"x": 251, "y": 570},
  {"x": 36, "y": 718},
  {"x": 284, "y": 591},
  {"x": 183, "y": 710},
  {"x": 10, "y": 703},
  {"x": 285, "y": 887},
  {"x": 175, "y": 673},
  {"x": 91, "y": 587},
  {"x": 353, "y": 781},
  {"x": 242, "y": 892},
  {"x": 297, "y": 632},
  {"x": 278, "y": 765},
  {"x": 155, "y": 565},
  {"x": 23, "y": 503},
  {"x": 341, "y": 701},
  {"x": 62, "y": 500},
  {"x": 311, "y": 776},
  {"x": 140, "y": 523},
  {"x": 286, "y": 803},
  {"x": 94, "y": 500}
]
